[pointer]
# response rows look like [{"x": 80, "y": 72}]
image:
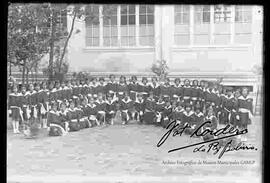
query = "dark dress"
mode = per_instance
[
  {"x": 57, "y": 123},
  {"x": 245, "y": 109},
  {"x": 149, "y": 115},
  {"x": 73, "y": 118}
]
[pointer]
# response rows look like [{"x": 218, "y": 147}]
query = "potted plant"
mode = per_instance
[{"x": 160, "y": 68}]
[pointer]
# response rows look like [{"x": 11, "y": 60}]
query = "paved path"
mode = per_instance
[{"x": 124, "y": 153}]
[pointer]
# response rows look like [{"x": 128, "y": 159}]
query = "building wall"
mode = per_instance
[{"x": 182, "y": 58}]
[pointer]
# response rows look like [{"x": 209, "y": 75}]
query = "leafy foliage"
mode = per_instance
[
  {"x": 160, "y": 68},
  {"x": 257, "y": 69},
  {"x": 25, "y": 41},
  {"x": 81, "y": 75}
]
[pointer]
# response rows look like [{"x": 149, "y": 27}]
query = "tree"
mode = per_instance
[
  {"x": 160, "y": 68},
  {"x": 59, "y": 36},
  {"x": 26, "y": 43}
]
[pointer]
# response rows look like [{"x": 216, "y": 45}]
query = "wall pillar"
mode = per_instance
[
  {"x": 158, "y": 31},
  {"x": 167, "y": 32}
]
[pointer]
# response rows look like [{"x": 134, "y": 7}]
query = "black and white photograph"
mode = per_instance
[{"x": 134, "y": 93}]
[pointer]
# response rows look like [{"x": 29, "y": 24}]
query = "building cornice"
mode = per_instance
[
  {"x": 244, "y": 47},
  {"x": 119, "y": 49}
]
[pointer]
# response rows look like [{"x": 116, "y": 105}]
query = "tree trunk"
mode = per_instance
[
  {"x": 9, "y": 68},
  {"x": 36, "y": 66},
  {"x": 66, "y": 42},
  {"x": 27, "y": 76},
  {"x": 32, "y": 76},
  {"x": 23, "y": 72},
  {"x": 50, "y": 67}
]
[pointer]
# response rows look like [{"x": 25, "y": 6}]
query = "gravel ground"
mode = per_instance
[{"x": 125, "y": 154}]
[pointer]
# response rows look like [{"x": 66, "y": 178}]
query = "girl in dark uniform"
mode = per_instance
[
  {"x": 167, "y": 114},
  {"x": 149, "y": 115},
  {"x": 39, "y": 104},
  {"x": 179, "y": 112},
  {"x": 83, "y": 116},
  {"x": 92, "y": 112},
  {"x": 15, "y": 109},
  {"x": 245, "y": 108},
  {"x": 133, "y": 88},
  {"x": 187, "y": 92},
  {"x": 224, "y": 112},
  {"x": 159, "y": 109},
  {"x": 126, "y": 106},
  {"x": 154, "y": 86},
  {"x": 111, "y": 86},
  {"x": 121, "y": 88},
  {"x": 45, "y": 103},
  {"x": 94, "y": 87},
  {"x": 201, "y": 94},
  {"x": 33, "y": 104},
  {"x": 177, "y": 90},
  {"x": 73, "y": 117},
  {"x": 110, "y": 109},
  {"x": 206, "y": 96},
  {"x": 212, "y": 126},
  {"x": 189, "y": 118},
  {"x": 139, "y": 108},
  {"x": 101, "y": 109},
  {"x": 25, "y": 107},
  {"x": 144, "y": 88},
  {"x": 195, "y": 93},
  {"x": 101, "y": 88},
  {"x": 58, "y": 125},
  {"x": 199, "y": 116},
  {"x": 165, "y": 90}
]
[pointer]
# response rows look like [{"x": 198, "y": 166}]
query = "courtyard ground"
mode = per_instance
[{"x": 126, "y": 154}]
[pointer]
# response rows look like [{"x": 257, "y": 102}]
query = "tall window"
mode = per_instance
[
  {"x": 110, "y": 31},
  {"x": 128, "y": 33},
  {"x": 243, "y": 28},
  {"x": 202, "y": 14},
  {"x": 181, "y": 20},
  {"x": 222, "y": 26},
  {"x": 181, "y": 14},
  {"x": 243, "y": 14},
  {"x": 222, "y": 13},
  {"x": 146, "y": 21},
  {"x": 92, "y": 25},
  {"x": 123, "y": 25},
  {"x": 202, "y": 25}
]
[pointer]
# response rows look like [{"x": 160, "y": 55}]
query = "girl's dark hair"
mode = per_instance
[
  {"x": 177, "y": 79},
  {"x": 111, "y": 75},
  {"x": 154, "y": 78},
  {"x": 122, "y": 77},
  {"x": 28, "y": 86},
  {"x": 134, "y": 77},
  {"x": 245, "y": 88},
  {"x": 195, "y": 80},
  {"x": 144, "y": 79}
]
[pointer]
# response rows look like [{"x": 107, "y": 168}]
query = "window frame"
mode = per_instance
[
  {"x": 111, "y": 37},
  {"x": 243, "y": 9},
  {"x": 92, "y": 27},
  {"x": 201, "y": 12},
  {"x": 181, "y": 13},
  {"x": 223, "y": 11}
]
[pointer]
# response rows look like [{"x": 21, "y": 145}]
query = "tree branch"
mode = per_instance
[{"x": 67, "y": 40}]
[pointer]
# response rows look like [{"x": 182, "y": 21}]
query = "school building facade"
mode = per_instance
[{"x": 201, "y": 39}]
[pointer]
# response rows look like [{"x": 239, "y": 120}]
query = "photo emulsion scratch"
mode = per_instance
[{"x": 134, "y": 93}]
